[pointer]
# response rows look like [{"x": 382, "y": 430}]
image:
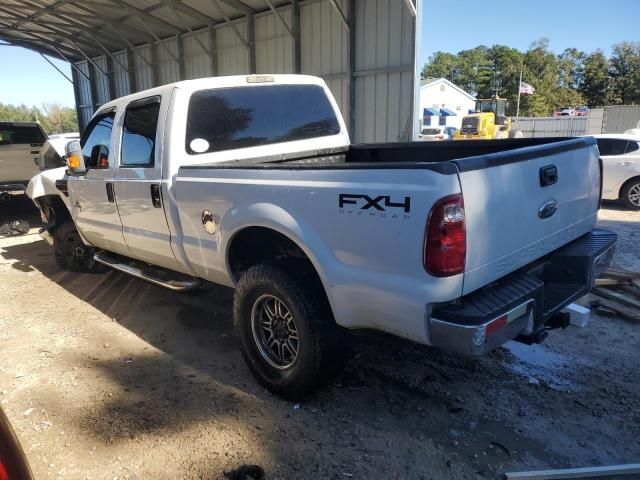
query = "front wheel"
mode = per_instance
[
  {"x": 71, "y": 253},
  {"x": 289, "y": 338},
  {"x": 630, "y": 194}
]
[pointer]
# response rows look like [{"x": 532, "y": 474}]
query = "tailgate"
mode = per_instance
[{"x": 525, "y": 203}]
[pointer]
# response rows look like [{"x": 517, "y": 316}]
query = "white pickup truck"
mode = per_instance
[{"x": 251, "y": 182}]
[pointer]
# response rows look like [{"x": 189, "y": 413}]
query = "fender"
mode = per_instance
[{"x": 274, "y": 217}]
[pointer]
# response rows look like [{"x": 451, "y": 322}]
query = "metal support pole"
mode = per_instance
[
  {"x": 182, "y": 68},
  {"x": 519, "y": 89},
  {"x": 54, "y": 66},
  {"x": 251, "y": 40},
  {"x": 133, "y": 84},
  {"x": 352, "y": 68},
  {"x": 343, "y": 17},
  {"x": 411, "y": 7},
  {"x": 111, "y": 81},
  {"x": 76, "y": 96},
  {"x": 70, "y": 62},
  {"x": 87, "y": 58},
  {"x": 93, "y": 88},
  {"x": 280, "y": 17},
  {"x": 213, "y": 50},
  {"x": 297, "y": 51}
]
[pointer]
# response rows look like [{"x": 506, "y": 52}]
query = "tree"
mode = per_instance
[
  {"x": 595, "y": 81},
  {"x": 624, "y": 70},
  {"x": 571, "y": 68},
  {"x": 53, "y": 118},
  {"x": 441, "y": 65}
]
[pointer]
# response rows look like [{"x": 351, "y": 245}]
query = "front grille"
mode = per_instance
[{"x": 469, "y": 125}]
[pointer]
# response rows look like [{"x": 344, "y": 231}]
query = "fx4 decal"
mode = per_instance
[{"x": 381, "y": 203}]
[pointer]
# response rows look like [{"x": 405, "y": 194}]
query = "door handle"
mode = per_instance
[
  {"x": 110, "y": 193},
  {"x": 548, "y": 175},
  {"x": 155, "y": 195}
]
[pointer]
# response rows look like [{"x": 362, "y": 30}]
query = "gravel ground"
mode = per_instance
[{"x": 106, "y": 376}]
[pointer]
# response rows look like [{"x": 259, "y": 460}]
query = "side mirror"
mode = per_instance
[
  {"x": 100, "y": 156},
  {"x": 75, "y": 160}
]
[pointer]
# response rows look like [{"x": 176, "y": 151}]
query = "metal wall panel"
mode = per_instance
[
  {"x": 144, "y": 73},
  {"x": 594, "y": 124},
  {"x": 102, "y": 81},
  {"x": 383, "y": 70},
  {"x": 120, "y": 75},
  {"x": 274, "y": 44},
  {"x": 197, "y": 61},
  {"x": 168, "y": 68},
  {"x": 537, "y": 127},
  {"x": 619, "y": 118},
  {"x": 383, "y": 74},
  {"x": 323, "y": 45},
  {"x": 233, "y": 55}
]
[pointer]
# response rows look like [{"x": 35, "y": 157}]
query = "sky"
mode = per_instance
[
  {"x": 450, "y": 26},
  {"x": 455, "y": 25}
]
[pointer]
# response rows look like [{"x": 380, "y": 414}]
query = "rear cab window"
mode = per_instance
[
  {"x": 11, "y": 134},
  {"x": 240, "y": 117}
]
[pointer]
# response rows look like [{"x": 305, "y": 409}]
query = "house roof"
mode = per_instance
[{"x": 428, "y": 82}]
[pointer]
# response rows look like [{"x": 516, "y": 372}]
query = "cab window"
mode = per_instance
[
  {"x": 139, "y": 134},
  {"x": 98, "y": 133}
]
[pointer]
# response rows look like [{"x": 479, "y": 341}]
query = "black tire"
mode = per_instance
[
  {"x": 629, "y": 194},
  {"x": 71, "y": 253},
  {"x": 322, "y": 345}
]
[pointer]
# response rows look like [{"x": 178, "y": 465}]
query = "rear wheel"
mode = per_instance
[
  {"x": 289, "y": 338},
  {"x": 71, "y": 253},
  {"x": 630, "y": 194}
]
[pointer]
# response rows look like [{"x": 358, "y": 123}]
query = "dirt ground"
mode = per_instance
[{"x": 106, "y": 376}]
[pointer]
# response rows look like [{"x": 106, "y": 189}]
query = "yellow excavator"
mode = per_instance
[{"x": 489, "y": 121}]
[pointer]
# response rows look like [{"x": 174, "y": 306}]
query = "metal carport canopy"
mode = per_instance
[{"x": 366, "y": 50}]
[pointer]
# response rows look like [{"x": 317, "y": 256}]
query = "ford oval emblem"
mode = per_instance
[{"x": 548, "y": 209}]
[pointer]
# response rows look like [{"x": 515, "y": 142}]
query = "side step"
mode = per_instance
[{"x": 160, "y": 276}]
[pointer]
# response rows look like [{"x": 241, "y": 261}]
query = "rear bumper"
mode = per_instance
[{"x": 522, "y": 302}]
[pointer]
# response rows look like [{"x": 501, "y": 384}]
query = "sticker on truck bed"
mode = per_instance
[{"x": 379, "y": 206}]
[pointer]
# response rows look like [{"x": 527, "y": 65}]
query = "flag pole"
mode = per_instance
[{"x": 519, "y": 90}]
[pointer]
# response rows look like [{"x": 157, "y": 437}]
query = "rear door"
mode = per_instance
[
  {"x": 619, "y": 160},
  {"x": 525, "y": 203},
  {"x": 19, "y": 149},
  {"x": 137, "y": 183},
  {"x": 91, "y": 195}
]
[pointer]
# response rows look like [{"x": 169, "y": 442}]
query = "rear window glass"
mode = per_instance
[
  {"x": 240, "y": 117},
  {"x": 20, "y": 134},
  {"x": 632, "y": 147},
  {"x": 612, "y": 146},
  {"x": 430, "y": 131}
]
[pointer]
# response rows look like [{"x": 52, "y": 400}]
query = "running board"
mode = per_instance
[{"x": 178, "y": 282}]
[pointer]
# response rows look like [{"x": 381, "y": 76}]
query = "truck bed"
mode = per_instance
[{"x": 411, "y": 155}]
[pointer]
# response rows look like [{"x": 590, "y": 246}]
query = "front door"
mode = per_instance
[
  {"x": 91, "y": 195},
  {"x": 137, "y": 185}
]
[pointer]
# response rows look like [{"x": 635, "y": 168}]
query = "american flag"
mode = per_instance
[{"x": 526, "y": 89}]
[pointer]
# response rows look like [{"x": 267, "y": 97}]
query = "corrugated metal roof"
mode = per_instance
[{"x": 72, "y": 29}]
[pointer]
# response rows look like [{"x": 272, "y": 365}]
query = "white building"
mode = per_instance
[{"x": 443, "y": 103}]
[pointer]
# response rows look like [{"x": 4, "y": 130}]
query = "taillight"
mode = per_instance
[
  {"x": 445, "y": 243},
  {"x": 601, "y": 180}
]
